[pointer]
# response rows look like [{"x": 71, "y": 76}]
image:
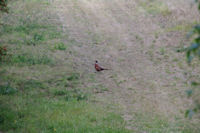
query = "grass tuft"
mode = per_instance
[
  {"x": 60, "y": 46},
  {"x": 7, "y": 90},
  {"x": 73, "y": 76}
]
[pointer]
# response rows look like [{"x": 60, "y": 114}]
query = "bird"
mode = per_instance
[{"x": 98, "y": 68}]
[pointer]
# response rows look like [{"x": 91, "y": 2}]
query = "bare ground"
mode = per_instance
[{"x": 138, "y": 41}]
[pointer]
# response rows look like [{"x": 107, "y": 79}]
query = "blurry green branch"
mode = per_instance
[{"x": 194, "y": 49}]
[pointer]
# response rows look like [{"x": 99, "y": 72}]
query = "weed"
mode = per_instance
[
  {"x": 69, "y": 97},
  {"x": 60, "y": 46},
  {"x": 38, "y": 37},
  {"x": 73, "y": 76},
  {"x": 81, "y": 96},
  {"x": 104, "y": 89},
  {"x": 162, "y": 51}
]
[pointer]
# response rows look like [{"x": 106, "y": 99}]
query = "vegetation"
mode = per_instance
[
  {"x": 47, "y": 83},
  {"x": 38, "y": 91},
  {"x": 193, "y": 51},
  {"x": 3, "y": 6}
]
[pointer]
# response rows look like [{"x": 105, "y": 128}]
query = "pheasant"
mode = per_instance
[{"x": 98, "y": 68}]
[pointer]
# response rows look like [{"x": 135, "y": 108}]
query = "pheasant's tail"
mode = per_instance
[{"x": 106, "y": 69}]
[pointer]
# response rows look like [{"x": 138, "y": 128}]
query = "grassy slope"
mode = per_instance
[
  {"x": 48, "y": 84},
  {"x": 40, "y": 91},
  {"x": 138, "y": 40}
]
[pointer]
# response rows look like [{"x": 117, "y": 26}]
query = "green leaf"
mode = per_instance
[
  {"x": 197, "y": 40},
  {"x": 193, "y": 46}
]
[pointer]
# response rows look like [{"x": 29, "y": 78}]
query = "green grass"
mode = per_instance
[
  {"x": 155, "y": 7},
  {"x": 30, "y": 59},
  {"x": 29, "y": 33},
  {"x": 100, "y": 88},
  {"x": 36, "y": 106},
  {"x": 73, "y": 94},
  {"x": 50, "y": 115},
  {"x": 40, "y": 91},
  {"x": 36, "y": 94},
  {"x": 54, "y": 104},
  {"x": 152, "y": 123},
  {"x": 7, "y": 90},
  {"x": 181, "y": 27},
  {"x": 31, "y": 84},
  {"x": 162, "y": 51},
  {"x": 60, "y": 46}
]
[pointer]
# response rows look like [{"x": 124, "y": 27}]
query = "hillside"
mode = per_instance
[{"x": 48, "y": 82}]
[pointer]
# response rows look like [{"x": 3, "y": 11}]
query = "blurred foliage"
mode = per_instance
[
  {"x": 3, "y": 6},
  {"x": 3, "y": 52},
  {"x": 7, "y": 89},
  {"x": 194, "y": 49}
]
